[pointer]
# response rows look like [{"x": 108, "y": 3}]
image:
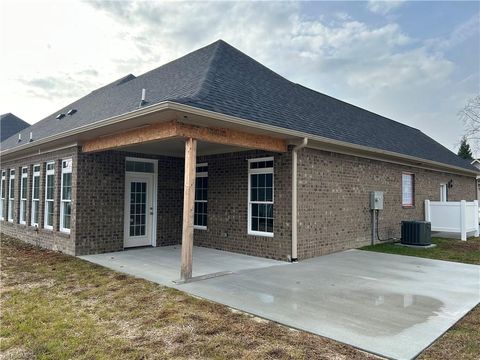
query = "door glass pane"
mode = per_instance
[{"x": 138, "y": 206}]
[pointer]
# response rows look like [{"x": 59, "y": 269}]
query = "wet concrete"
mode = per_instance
[{"x": 391, "y": 305}]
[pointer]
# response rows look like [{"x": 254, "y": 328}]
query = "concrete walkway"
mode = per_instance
[{"x": 390, "y": 305}]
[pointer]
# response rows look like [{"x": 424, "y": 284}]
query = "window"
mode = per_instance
[
  {"x": 260, "y": 197},
  {"x": 139, "y": 166},
  {"x": 66, "y": 196},
  {"x": 408, "y": 190},
  {"x": 201, "y": 197},
  {"x": 35, "y": 195},
  {"x": 2, "y": 194},
  {"x": 49, "y": 194},
  {"x": 11, "y": 195},
  {"x": 443, "y": 192},
  {"x": 23, "y": 196}
]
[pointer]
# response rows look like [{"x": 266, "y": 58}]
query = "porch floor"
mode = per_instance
[{"x": 162, "y": 264}]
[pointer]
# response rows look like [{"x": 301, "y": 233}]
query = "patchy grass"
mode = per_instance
[
  {"x": 59, "y": 307},
  {"x": 446, "y": 249}
]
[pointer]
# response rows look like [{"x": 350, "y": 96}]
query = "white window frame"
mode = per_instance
[
  {"x": 65, "y": 170},
  {"x": 202, "y": 175},
  {"x": 23, "y": 200},
  {"x": 412, "y": 189},
  {"x": 3, "y": 193},
  {"x": 11, "y": 195},
  {"x": 443, "y": 192},
  {"x": 259, "y": 171},
  {"x": 45, "y": 212},
  {"x": 36, "y": 174}
]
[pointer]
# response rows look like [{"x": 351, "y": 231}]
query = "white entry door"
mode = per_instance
[{"x": 139, "y": 209}]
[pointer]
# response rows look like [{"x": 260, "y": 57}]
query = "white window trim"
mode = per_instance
[
  {"x": 259, "y": 171},
  {"x": 23, "y": 201},
  {"x": 10, "y": 198},
  {"x": 201, "y": 174},
  {"x": 65, "y": 171},
  {"x": 35, "y": 174},
  {"x": 3, "y": 182},
  {"x": 45, "y": 215}
]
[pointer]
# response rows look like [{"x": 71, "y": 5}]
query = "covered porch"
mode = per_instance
[{"x": 165, "y": 202}]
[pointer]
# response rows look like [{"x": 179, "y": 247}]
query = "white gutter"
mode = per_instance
[{"x": 294, "y": 257}]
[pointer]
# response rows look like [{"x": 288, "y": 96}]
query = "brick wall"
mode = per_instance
[
  {"x": 333, "y": 202},
  {"x": 49, "y": 239},
  {"x": 333, "y": 199},
  {"x": 228, "y": 206},
  {"x": 101, "y": 196}
]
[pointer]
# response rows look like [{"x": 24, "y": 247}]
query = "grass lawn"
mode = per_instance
[
  {"x": 462, "y": 341},
  {"x": 446, "y": 249},
  {"x": 59, "y": 307}
]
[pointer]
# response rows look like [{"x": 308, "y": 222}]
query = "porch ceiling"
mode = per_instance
[{"x": 176, "y": 148}]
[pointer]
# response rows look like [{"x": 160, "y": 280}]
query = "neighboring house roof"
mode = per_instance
[
  {"x": 11, "y": 125},
  {"x": 220, "y": 78}
]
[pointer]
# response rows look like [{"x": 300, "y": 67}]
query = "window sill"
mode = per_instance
[
  {"x": 408, "y": 206},
  {"x": 197, "y": 227},
  {"x": 260, "y": 233}
]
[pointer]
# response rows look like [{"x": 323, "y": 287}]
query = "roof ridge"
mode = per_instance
[{"x": 203, "y": 90}]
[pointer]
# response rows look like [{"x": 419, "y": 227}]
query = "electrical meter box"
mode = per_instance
[{"x": 376, "y": 200}]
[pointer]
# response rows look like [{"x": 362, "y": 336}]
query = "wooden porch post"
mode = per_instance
[{"x": 188, "y": 208}]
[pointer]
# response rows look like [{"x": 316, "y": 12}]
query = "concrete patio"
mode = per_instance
[{"x": 394, "y": 306}]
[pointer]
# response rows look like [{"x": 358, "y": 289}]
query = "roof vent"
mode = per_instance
[
  {"x": 31, "y": 137},
  {"x": 143, "y": 101},
  {"x": 59, "y": 116},
  {"x": 19, "y": 137},
  {"x": 71, "y": 111}
]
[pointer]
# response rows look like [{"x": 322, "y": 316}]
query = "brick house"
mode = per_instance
[{"x": 217, "y": 149}]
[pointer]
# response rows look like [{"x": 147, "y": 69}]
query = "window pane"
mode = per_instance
[
  {"x": 67, "y": 209},
  {"x": 49, "y": 214},
  {"x": 36, "y": 205}
]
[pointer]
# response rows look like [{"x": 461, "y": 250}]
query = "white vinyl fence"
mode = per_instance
[{"x": 453, "y": 216}]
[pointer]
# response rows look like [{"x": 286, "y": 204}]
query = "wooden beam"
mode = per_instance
[
  {"x": 232, "y": 137},
  {"x": 174, "y": 129},
  {"x": 145, "y": 134},
  {"x": 188, "y": 208}
]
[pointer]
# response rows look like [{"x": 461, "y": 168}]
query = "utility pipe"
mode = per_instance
[{"x": 294, "y": 257}]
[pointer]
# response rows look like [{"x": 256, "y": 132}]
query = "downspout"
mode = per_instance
[{"x": 294, "y": 257}]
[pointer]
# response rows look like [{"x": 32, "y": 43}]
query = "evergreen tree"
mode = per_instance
[{"x": 464, "y": 151}]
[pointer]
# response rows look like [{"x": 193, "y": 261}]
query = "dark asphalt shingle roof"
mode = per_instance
[
  {"x": 11, "y": 125},
  {"x": 221, "y": 78}
]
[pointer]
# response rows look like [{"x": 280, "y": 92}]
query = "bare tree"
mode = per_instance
[{"x": 470, "y": 115}]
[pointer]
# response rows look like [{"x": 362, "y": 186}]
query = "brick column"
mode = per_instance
[
  {"x": 56, "y": 196},
  {"x": 16, "y": 207},
  {"x": 41, "y": 206}
]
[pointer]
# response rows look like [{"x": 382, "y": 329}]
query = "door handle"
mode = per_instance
[{"x": 151, "y": 210}]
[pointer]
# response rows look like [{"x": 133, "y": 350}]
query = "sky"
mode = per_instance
[{"x": 414, "y": 62}]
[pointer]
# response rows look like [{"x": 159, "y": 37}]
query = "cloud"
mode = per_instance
[
  {"x": 374, "y": 65},
  {"x": 63, "y": 86},
  {"x": 462, "y": 32},
  {"x": 383, "y": 7}
]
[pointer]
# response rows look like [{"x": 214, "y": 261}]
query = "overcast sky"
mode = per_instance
[{"x": 415, "y": 62}]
